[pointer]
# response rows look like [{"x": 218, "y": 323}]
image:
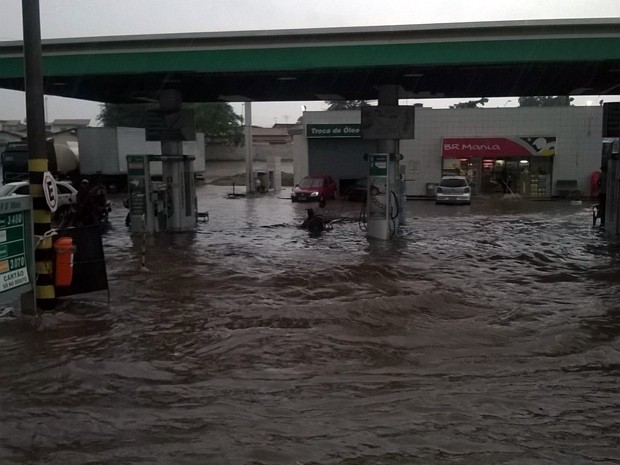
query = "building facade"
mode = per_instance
[{"x": 532, "y": 151}]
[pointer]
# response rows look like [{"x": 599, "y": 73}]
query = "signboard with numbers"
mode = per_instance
[{"x": 16, "y": 250}]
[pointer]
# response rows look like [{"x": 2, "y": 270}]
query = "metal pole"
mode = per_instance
[
  {"x": 249, "y": 178},
  {"x": 37, "y": 153},
  {"x": 384, "y": 226}
]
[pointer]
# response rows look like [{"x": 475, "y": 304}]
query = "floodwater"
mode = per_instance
[{"x": 483, "y": 334}]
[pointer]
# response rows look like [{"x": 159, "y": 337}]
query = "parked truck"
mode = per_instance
[
  {"x": 100, "y": 153},
  {"x": 103, "y": 151},
  {"x": 14, "y": 160}
]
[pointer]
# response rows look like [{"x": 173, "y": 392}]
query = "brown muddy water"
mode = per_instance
[{"x": 483, "y": 334}]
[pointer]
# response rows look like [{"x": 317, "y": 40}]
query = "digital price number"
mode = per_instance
[{"x": 13, "y": 269}]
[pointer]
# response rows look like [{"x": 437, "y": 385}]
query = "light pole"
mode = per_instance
[{"x": 37, "y": 153}]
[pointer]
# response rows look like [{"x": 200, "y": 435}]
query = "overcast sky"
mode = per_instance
[{"x": 87, "y": 18}]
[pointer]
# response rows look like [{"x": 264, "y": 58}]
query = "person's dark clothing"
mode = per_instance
[{"x": 85, "y": 208}]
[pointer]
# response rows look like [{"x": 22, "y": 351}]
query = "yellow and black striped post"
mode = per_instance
[
  {"x": 37, "y": 153},
  {"x": 41, "y": 221}
]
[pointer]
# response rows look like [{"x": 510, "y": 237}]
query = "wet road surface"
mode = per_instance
[{"x": 483, "y": 334}]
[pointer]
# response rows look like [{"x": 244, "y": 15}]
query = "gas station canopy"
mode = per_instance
[{"x": 495, "y": 59}]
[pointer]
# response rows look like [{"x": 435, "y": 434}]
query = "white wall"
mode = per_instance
[
  {"x": 300, "y": 158},
  {"x": 262, "y": 152},
  {"x": 578, "y": 131}
]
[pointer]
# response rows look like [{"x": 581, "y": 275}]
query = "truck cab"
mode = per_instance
[{"x": 14, "y": 161}]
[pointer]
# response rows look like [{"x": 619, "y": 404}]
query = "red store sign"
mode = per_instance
[{"x": 497, "y": 147}]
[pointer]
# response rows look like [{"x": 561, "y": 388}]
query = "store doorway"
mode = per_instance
[
  {"x": 468, "y": 167},
  {"x": 507, "y": 176}
]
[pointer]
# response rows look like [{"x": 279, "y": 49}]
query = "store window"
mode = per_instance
[{"x": 502, "y": 165}]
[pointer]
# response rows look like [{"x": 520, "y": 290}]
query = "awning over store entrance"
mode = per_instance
[{"x": 497, "y": 147}]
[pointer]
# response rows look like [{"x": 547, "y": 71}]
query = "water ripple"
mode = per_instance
[{"x": 483, "y": 334}]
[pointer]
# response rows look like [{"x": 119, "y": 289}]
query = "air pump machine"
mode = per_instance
[
  {"x": 383, "y": 206},
  {"x": 166, "y": 205}
]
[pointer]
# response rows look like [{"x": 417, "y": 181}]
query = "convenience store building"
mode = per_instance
[{"x": 531, "y": 151}]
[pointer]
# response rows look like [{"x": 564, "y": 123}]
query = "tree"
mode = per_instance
[
  {"x": 546, "y": 101},
  {"x": 346, "y": 104},
  {"x": 128, "y": 115},
  {"x": 218, "y": 121},
  {"x": 471, "y": 103}
]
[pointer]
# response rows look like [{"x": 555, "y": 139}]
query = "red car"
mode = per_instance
[{"x": 314, "y": 187}]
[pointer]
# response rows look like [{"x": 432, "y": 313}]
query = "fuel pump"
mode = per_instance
[
  {"x": 383, "y": 206},
  {"x": 162, "y": 207},
  {"x": 178, "y": 174},
  {"x": 167, "y": 205},
  {"x": 139, "y": 186}
]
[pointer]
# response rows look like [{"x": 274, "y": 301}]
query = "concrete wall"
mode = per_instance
[
  {"x": 261, "y": 152},
  {"x": 300, "y": 158}
]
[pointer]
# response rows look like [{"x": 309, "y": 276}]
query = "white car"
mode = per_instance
[
  {"x": 67, "y": 194},
  {"x": 453, "y": 189}
]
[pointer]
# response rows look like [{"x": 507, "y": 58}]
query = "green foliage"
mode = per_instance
[
  {"x": 218, "y": 121},
  {"x": 471, "y": 103},
  {"x": 546, "y": 101},
  {"x": 124, "y": 115},
  {"x": 346, "y": 104}
]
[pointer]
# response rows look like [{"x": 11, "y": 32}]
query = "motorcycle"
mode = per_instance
[
  {"x": 94, "y": 210},
  {"x": 103, "y": 206}
]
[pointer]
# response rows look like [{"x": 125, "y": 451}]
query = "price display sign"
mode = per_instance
[{"x": 16, "y": 254}]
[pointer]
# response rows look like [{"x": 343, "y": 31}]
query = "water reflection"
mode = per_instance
[{"x": 483, "y": 334}]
